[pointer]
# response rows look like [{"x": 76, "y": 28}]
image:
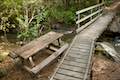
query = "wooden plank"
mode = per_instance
[
  {"x": 12, "y": 55},
  {"x": 37, "y": 68},
  {"x": 86, "y": 46},
  {"x": 73, "y": 68},
  {"x": 81, "y": 47},
  {"x": 52, "y": 48},
  {"x": 80, "y": 50},
  {"x": 76, "y": 60},
  {"x": 71, "y": 73},
  {"x": 84, "y": 40},
  {"x": 72, "y": 63},
  {"x": 79, "y": 56},
  {"x": 79, "y": 53},
  {"x": 64, "y": 56},
  {"x": 89, "y": 60},
  {"x": 86, "y": 9},
  {"x": 37, "y": 44},
  {"x": 84, "y": 50},
  {"x": 64, "y": 77}
]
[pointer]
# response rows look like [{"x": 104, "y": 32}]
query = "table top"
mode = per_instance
[{"x": 38, "y": 44}]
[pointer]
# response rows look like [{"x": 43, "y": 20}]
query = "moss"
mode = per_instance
[{"x": 3, "y": 72}]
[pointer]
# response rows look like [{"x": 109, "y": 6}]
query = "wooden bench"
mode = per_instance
[
  {"x": 45, "y": 62},
  {"x": 27, "y": 51}
]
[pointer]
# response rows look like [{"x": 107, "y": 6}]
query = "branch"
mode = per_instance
[{"x": 32, "y": 17}]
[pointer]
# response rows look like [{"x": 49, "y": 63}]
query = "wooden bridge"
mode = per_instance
[{"x": 76, "y": 63}]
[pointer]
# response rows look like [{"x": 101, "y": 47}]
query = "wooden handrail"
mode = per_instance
[
  {"x": 81, "y": 20},
  {"x": 97, "y": 12},
  {"x": 89, "y": 8}
]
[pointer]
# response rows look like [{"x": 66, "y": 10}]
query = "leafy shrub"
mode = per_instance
[
  {"x": 29, "y": 29},
  {"x": 59, "y": 14}
]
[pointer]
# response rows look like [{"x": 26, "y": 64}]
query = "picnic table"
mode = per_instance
[{"x": 27, "y": 51}]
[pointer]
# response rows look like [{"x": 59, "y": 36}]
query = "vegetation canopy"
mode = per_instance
[{"x": 30, "y": 17}]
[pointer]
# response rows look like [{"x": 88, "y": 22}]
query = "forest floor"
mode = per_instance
[
  {"x": 14, "y": 71},
  {"x": 10, "y": 71},
  {"x": 105, "y": 69}
]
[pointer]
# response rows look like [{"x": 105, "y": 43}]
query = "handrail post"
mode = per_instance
[
  {"x": 91, "y": 13},
  {"x": 99, "y": 9},
  {"x": 78, "y": 19},
  {"x": 102, "y": 6}
]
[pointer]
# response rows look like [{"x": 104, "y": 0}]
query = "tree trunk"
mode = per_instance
[{"x": 66, "y": 3}]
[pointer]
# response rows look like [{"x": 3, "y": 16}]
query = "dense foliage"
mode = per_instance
[{"x": 31, "y": 17}]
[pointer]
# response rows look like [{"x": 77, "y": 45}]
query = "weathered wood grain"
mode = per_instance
[
  {"x": 78, "y": 56},
  {"x": 45, "y": 62},
  {"x": 65, "y": 77},
  {"x": 36, "y": 45},
  {"x": 73, "y": 68},
  {"x": 71, "y": 73}
]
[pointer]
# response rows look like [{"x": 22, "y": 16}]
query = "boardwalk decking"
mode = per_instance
[{"x": 76, "y": 62}]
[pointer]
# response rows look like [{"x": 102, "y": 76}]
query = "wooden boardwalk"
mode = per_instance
[{"x": 76, "y": 62}]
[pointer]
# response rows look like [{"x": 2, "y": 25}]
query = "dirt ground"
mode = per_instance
[
  {"x": 105, "y": 69},
  {"x": 14, "y": 71},
  {"x": 18, "y": 73}
]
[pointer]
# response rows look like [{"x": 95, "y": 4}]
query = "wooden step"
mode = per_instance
[
  {"x": 79, "y": 50},
  {"x": 81, "y": 47}
]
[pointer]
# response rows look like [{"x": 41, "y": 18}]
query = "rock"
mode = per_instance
[{"x": 110, "y": 50}]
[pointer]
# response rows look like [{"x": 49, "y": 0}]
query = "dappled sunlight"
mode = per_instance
[{"x": 5, "y": 48}]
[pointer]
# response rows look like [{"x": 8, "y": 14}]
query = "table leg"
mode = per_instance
[
  {"x": 31, "y": 61},
  {"x": 59, "y": 42}
]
